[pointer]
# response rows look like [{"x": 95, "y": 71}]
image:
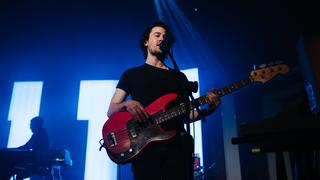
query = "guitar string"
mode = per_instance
[
  {"x": 123, "y": 137},
  {"x": 220, "y": 92},
  {"x": 121, "y": 132},
  {"x": 158, "y": 116},
  {"x": 201, "y": 100}
]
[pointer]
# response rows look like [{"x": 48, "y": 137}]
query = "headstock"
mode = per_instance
[{"x": 265, "y": 74}]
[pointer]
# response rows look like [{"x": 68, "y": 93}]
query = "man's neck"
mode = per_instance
[{"x": 154, "y": 61}]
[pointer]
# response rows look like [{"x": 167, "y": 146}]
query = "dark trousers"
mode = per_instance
[{"x": 166, "y": 160}]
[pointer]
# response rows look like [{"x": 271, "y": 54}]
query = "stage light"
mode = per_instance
[
  {"x": 195, "y": 128},
  {"x": 25, "y": 104},
  {"x": 94, "y": 98}
]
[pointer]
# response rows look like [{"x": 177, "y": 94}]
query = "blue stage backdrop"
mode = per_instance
[{"x": 62, "y": 59}]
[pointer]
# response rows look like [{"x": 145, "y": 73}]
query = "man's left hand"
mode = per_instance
[{"x": 213, "y": 101}]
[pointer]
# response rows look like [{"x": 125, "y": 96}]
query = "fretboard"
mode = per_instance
[
  {"x": 183, "y": 108},
  {"x": 224, "y": 91}
]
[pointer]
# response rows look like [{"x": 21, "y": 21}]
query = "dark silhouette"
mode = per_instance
[
  {"x": 39, "y": 140},
  {"x": 13, "y": 161}
]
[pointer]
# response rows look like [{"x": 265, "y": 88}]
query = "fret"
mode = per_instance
[
  {"x": 164, "y": 116},
  {"x": 181, "y": 109}
]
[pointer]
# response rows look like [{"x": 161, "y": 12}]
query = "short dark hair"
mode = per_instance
[{"x": 146, "y": 34}]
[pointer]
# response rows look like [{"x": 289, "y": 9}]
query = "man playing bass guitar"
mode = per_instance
[{"x": 171, "y": 158}]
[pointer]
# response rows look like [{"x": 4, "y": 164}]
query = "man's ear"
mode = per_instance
[{"x": 146, "y": 43}]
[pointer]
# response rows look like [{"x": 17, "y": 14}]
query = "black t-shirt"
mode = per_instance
[{"x": 147, "y": 83}]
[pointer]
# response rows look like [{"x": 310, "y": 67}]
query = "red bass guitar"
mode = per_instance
[{"x": 124, "y": 138}]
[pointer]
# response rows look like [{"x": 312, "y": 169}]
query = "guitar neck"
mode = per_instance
[
  {"x": 183, "y": 108},
  {"x": 224, "y": 91}
]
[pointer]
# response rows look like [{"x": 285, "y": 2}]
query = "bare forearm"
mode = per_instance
[
  {"x": 116, "y": 107},
  {"x": 117, "y": 102}
]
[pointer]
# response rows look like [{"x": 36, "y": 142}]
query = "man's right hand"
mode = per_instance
[{"x": 136, "y": 109}]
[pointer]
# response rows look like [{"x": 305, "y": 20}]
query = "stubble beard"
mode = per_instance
[{"x": 159, "y": 54}]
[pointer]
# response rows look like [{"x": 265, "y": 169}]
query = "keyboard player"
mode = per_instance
[{"x": 39, "y": 141}]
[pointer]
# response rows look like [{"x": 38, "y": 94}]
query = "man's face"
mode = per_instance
[
  {"x": 34, "y": 126},
  {"x": 155, "y": 38}
]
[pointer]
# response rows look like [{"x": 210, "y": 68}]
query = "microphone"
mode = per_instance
[{"x": 166, "y": 43}]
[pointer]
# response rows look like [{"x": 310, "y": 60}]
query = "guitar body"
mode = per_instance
[{"x": 124, "y": 137}]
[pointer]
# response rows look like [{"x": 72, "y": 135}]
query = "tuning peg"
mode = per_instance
[
  {"x": 254, "y": 67},
  {"x": 262, "y": 66}
]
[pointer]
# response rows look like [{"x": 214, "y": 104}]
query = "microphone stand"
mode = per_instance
[{"x": 187, "y": 91}]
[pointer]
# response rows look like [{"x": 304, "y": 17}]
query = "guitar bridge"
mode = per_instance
[{"x": 111, "y": 139}]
